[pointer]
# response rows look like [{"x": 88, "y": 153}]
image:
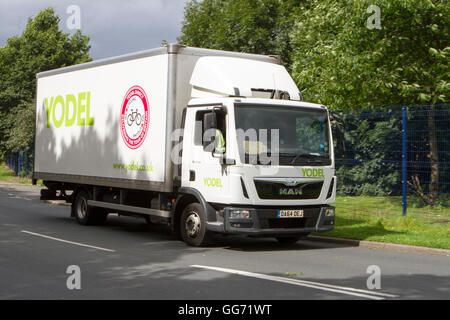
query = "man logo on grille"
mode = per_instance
[{"x": 291, "y": 191}]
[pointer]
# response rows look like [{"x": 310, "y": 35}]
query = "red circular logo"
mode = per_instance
[{"x": 134, "y": 117}]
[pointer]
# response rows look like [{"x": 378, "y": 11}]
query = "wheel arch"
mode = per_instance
[{"x": 186, "y": 196}]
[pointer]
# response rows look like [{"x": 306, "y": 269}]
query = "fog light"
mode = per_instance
[
  {"x": 240, "y": 214},
  {"x": 329, "y": 212}
]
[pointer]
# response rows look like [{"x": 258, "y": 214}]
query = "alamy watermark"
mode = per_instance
[
  {"x": 73, "y": 281},
  {"x": 374, "y": 280},
  {"x": 374, "y": 21},
  {"x": 73, "y": 22},
  {"x": 251, "y": 142}
]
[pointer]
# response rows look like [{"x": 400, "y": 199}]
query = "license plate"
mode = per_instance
[{"x": 290, "y": 213}]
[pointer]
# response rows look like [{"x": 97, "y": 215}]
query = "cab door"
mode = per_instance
[{"x": 202, "y": 170}]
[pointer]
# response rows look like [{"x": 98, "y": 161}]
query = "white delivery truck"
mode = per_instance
[{"x": 204, "y": 140}]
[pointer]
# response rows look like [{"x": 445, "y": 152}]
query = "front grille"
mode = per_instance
[{"x": 273, "y": 190}]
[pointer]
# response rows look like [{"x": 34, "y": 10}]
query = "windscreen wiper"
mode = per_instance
[{"x": 308, "y": 157}]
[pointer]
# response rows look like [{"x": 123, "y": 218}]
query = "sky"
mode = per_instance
[{"x": 115, "y": 26}]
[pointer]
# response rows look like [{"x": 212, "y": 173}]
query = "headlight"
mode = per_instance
[
  {"x": 240, "y": 214},
  {"x": 329, "y": 212}
]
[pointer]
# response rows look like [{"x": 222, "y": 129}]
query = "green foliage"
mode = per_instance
[
  {"x": 336, "y": 60},
  {"x": 21, "y": 133},
  {"x": 253, "y": 26},
  {"x": 42, "y": 46},
  {"x": 370, "y": 167},
  {"x": 340, "y": 62}
]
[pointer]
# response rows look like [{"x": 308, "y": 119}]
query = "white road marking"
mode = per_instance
[
  {"x": 158, "y": 242},
  {"x": 315, "y": 285},
  {"x": 66, "y": 241},
  {"x": 22, "y": 198}
]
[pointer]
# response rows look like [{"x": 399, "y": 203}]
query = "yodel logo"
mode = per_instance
[
  {"x": 134, "y": 117},
  {"x": 69, "y": 110},
  {"x": 213, "y": 182},
  {"x": 316, "y": 173}
]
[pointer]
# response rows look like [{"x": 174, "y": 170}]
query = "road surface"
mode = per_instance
[{"x": 127, "y": 259}]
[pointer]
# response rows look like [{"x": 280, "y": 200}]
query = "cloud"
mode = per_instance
[{"x": 115, "y": 27}]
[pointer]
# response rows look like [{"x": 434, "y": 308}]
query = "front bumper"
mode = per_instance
[{"x": 265, "y": 221}]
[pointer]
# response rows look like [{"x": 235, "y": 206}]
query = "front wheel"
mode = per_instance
[{"x": 193, "y": 226}]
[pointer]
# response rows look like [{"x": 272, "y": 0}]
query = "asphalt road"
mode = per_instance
[{"x": 127, "y": 259}]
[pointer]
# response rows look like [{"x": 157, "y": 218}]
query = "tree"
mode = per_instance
[
  {"x": 42, "y": 46},
  {"x": 339, "y": 61},
  {"x": 252, "y": 26},
  {"x": 336, "y": 56}
]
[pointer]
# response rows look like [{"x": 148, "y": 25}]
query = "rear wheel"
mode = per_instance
[
  {"x": 86, "y": 215},
  {"x": 193, "y": 226}
]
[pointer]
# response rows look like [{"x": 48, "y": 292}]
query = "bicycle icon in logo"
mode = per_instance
[{"x": 134, "y": 116}]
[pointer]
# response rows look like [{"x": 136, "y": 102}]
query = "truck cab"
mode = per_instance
[{"x": 259, "y": 159}]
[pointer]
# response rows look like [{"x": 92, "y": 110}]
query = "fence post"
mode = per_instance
[
  {"x": 19, "y": 163},
  {"x": 404, "y": 159}
]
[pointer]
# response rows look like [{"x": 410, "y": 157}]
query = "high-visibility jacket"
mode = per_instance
[{"x": 220, "y": 141}]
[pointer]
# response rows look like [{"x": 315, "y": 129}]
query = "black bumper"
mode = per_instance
[{"x": 265, "y": 221}]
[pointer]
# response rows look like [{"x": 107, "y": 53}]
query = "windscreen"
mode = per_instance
[{"x": 297, "y": 136}]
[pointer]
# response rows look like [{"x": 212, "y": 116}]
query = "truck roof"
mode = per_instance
[
  {"x": 292, "y": 103},
  {"x": 169, "y": 49},
  {"x": 231, "y": 76}
]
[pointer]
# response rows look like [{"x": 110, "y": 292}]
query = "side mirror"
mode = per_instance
[{"x": 209, "y": 122}]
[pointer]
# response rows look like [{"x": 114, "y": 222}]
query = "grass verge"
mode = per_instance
[
  {"x": 380, "y": 219},
  {"x": 6, "y": 174}
]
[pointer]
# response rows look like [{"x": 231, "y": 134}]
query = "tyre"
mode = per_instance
[
  {"x": 86, "y": 215},
  {"x": 130, "y": 120},
  {"x": 193, "y": 226},
  {"x": 290, "y": 239}
]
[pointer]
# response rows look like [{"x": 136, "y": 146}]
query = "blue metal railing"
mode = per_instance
[
  {"x": 20, "y": 162},
  {"x": 388, "y": 152}
]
